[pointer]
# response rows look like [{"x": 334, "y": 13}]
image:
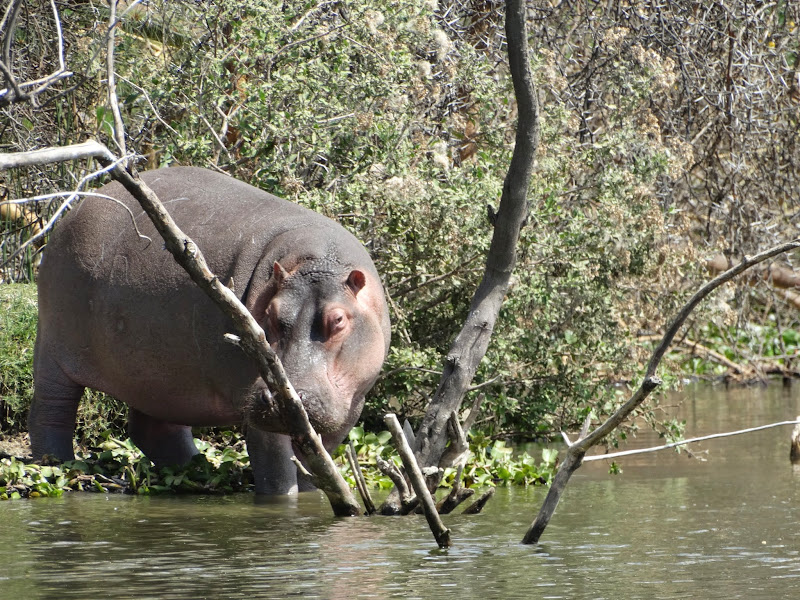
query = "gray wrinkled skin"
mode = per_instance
[{"x": 118, "y": 314}]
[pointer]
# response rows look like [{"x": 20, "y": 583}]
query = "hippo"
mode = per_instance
[{"x": 119, "y": 315}]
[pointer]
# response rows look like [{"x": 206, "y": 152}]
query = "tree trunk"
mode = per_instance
[{"x": 470, "y": 345}]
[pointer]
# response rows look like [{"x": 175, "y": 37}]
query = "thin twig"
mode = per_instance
[
  {"x": 712, "y": 436},
  {"x": 119, "y": 126},
  {"x": 361, "y": 483}
]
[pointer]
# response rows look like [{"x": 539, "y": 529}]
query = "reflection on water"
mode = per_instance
[{"x": 668, "y": 527}]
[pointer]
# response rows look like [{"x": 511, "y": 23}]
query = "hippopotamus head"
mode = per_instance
[{"x": 329, "y": 325}]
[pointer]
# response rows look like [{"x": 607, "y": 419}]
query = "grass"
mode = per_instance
[{"x": 18, "y": 317}]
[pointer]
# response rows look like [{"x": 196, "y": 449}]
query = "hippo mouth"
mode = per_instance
[
  {"x": 267, "y": 410},
  {"x": 322, "y": 415}
]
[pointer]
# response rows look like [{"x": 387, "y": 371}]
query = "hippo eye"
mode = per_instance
[{"x": 335, "y": 322}]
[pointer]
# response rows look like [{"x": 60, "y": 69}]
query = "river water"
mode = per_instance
[{"x": 667, "y": 527}]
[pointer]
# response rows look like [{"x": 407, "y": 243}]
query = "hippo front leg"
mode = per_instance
[
  {"x": 166, "y": 444},
  {"x": 271, "y": 459}
]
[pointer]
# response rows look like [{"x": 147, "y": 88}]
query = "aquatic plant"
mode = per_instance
[{"x": 223, "y": 466}]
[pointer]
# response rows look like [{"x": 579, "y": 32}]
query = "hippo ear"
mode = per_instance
[
  {"x": 356, "y": 281},
  {"x": 279, "y": 273}
]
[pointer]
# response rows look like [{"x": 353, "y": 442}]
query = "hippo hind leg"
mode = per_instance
[
  {"x": 51, "y": 420},
  {"x": 162, "y": 442}
]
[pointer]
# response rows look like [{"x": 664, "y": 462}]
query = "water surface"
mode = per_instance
[{"x": 668, "y": 527}]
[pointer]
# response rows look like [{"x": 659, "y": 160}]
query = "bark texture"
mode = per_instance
[{"x": 469, "y": 347}]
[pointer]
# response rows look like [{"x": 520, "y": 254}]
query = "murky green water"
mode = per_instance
[{"x": 668, "y": 527}]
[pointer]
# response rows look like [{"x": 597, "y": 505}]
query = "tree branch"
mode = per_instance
[
  {"x": 576, "y": 451},
  {"x": 470, "y": 345},
  {"x": 440, "y": 532}
]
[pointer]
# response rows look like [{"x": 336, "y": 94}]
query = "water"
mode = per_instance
[{"x": 668, "y": 527}]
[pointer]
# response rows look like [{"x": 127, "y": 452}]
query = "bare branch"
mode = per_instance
[
  {"x": 89, "y": 149},
  {"x": 713, "y": 436},
  {"x": 577, "y": 451},
  {"x": 8, "y": 27},
  {"x": 440, "y": 532}
]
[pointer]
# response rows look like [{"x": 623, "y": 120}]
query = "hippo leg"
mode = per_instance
[
  {"x": 331, "y": 443},
  {"x": 51, "y": 421},
  {"x": 271, "y": 459},
  {"x": 162, "y": 442}
]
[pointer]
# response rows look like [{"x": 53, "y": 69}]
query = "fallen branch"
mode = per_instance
[
  {"x": 715, "y": 356},
  {"x": 577, "y": 451},
  {"x": 477, "y": 506},
  {"x": 703, "y": 438},
  {"x": 408, "y": 501},
  {"x": 440, "y": 532},
  {"x": 457, "y": 495}
]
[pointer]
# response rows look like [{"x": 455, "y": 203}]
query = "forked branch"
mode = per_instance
[{"x": 577, "y": 450}]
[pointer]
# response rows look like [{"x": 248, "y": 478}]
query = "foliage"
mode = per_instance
[
  {"x": 498, "y": 464},
  {"x": 665, "y": 139},
  {"x": 118, "y": 466},
  {"x": 17, "y": 335},
  {"x": 223, "y": 466},
  {"x": 487, "y": 463}
]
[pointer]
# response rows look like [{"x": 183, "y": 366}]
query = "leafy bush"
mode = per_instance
[
  {"x": 397, "y": 119},
  {"x": 223, "y": 466}
]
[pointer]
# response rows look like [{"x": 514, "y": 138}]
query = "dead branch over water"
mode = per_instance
[{"x": 577, "y": 451}]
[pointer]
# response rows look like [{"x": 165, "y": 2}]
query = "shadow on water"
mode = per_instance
[{"x": 668, "y": 527}]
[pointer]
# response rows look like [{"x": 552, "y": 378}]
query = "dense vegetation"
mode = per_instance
[{"x": 669, "y": 135}]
